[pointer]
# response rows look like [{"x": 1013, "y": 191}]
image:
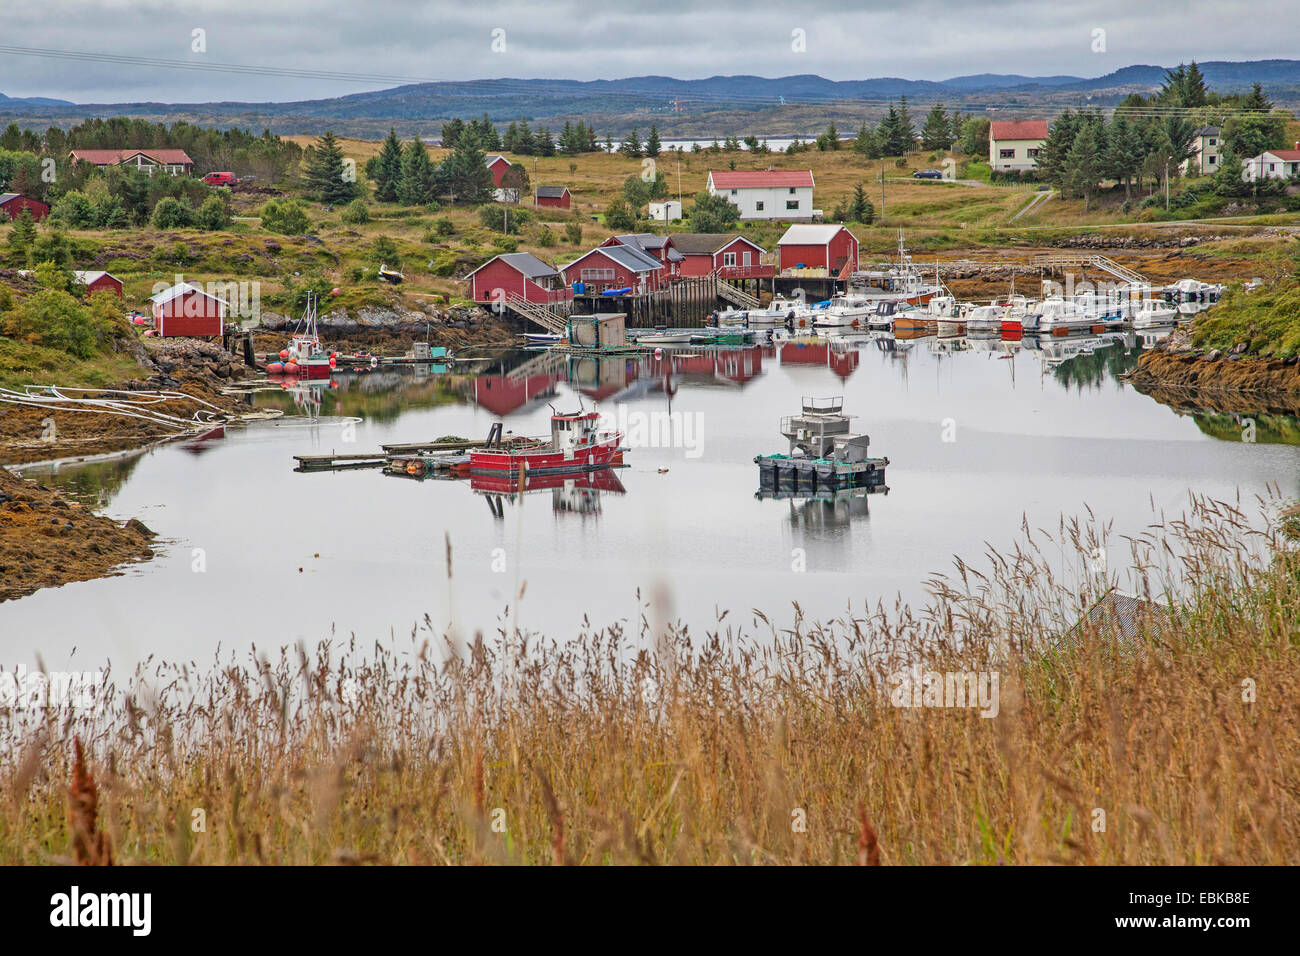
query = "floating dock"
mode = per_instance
[{"x": 824, "y": 454}]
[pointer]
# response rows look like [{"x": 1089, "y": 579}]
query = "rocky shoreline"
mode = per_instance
[{"x": 1176, "y": 373}]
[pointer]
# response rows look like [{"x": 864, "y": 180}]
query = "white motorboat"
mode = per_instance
[
  {"x": 985, "y": 319},
  {"x": 1154, "y": 312},
  {"x": 778, "y": 312},
  {"x": 846, "y": 310},
  {"x": 1059, "y": 315}
]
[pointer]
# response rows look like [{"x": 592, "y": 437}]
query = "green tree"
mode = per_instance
[
  {"x": 620, "y": 215},
  {"x": 213, "y": 215},
  {"x": 387, "y": 169},
  {"x": 22, "y": 237},
  {"x": 1054, "y": 154},
  {"x": 327, "y": 174},
  {"x": 1084, "y": 165},
  {"x": 416, "y": 185},
  {"x": 974, "y": 138},
  {"x": 355, "y": 213},
  {"x": 936, "y": 132},
  {"x": 1124, "y": 152},
  {"x": 1229, "y": 178},
  {"x": 172, "y": 213},
  {"x": 75, "y": 209},
  {"x": 631, "y": 145},
  {"x": 573, "y": 232},
  {"x": 652, "y": 144},
  {"x": 464, "y": 175},
  {"x": 867, "y": 143},
  {"x": 285, "y": 216},
  {"x": 710, "y": 213}
]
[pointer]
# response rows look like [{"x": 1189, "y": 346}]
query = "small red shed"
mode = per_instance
[
  {"x": 518, "y": 274},
  {"x": 185, "y": 309},
  {"x": 818, "y": 247},
  {"x": 13, "y": 204},
  {"x": 556, "y": 197},
  {"x": 99, "y": 282}
]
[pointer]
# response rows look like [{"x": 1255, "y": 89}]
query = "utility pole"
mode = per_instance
[{"x": 1166, "y": 184}]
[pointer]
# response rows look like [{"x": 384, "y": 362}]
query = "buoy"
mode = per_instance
[
  {"x": 414, "y": 467},
  {"x": 284, "y": 353},
  {"x": 274, "y": 368},
  {"x": 335, "y": 291},
  {"x": 659, "y": 353},
  {"x": 291, "y": 368},
  {"x": 334, "y": 363}
]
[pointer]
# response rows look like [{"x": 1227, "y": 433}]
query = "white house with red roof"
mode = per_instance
[
  {"x": 1015, "y": 144},
  {"x": 1273, "y": 164},
  {"x": 784, "y": 194}
]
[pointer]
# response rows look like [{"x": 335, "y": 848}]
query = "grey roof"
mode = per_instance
[
  {"x": 5, "y": 197},
  {"x": 629, "y": 257},
  {"x": 552, "y": 192},
  {"x": 524, "y": 263},
  {"x": 648, "y": 241},
  {"x": 707, "y": 243},
  {"x": 491, "y": 158},
  {"x": 1207, "y": 131},
  {"x": 1123, "y": 616}
]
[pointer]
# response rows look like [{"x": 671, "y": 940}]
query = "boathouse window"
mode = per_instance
[
  {"x": 728, "y": 258},
  {"x": 1007, "y": 153},
  {"x": 597, "y": 275},
  {"x": 792, "y": 204}
]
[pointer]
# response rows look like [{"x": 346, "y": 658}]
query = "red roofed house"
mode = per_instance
[
  {"x": 185, "y": 309},
  {"x": 175, "y": 162},
  {"x": 99, "y": 282},
  {"x": 1014, "y": 144},
  {"x": 1273, "y": 164},
  {"x": 730, "y": 255},
  {"x": 13, "y": 204},
  {"x": 556, "y": 197},
  {"x": 785, "y": 194},
  {"x": 832, "y": 248},
  {"x": 517, "y": 275}
]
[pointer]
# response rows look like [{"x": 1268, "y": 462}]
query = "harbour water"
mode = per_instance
[{"x": 980, "y": 436}]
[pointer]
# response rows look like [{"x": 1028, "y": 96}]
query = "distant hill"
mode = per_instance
[
  {"x": 9, "y": 102},
  {"x": 719, "y": 104}
]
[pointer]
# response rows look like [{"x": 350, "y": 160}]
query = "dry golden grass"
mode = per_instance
[{"x": 665, "y": 745}]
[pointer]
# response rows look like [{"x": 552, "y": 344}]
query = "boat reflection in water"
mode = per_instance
[
  {"x": 824, "y": 509},
  {"x": 577, "y": 493}
]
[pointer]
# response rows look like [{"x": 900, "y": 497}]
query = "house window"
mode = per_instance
[
  {"x": 792, "y": 190},
  {"x": 1006, "y": 154},
  {"x": 747, "y": 258},
  {"x": 758, "y": 206},
  {"x": 735, "y": 192},
  {"x": 1211, "y": 160},
  {"x": 792, "y": 204},
  {"x": 597, "y": 275},
  {"x": 1270, "y": 167},
  {"x": 728, "y": 259},
  {"x": 1212, "y": 142},
  {"x": 1033, "y": 153}
]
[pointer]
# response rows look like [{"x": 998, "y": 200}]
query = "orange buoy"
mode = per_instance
[
  {"x": 274, "y": 368},
  {"x": 290, "y": 368},
  {"x": 414, "y": 467},
  {"x": 334, "y": 363},
  {"x": 284, "y": 353}
]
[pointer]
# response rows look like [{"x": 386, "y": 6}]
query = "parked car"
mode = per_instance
[
  {"x": 927, "y": 174},
  {"x": 221, "y": 179}
]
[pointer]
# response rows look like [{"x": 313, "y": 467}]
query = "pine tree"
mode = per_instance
[
  {"x": 1255, "y": 101},
  {"x": 324, "y": 176},
  {"x": 936, "y": 133},
  {"x": 466, "y": 175},
  {"x": 387, "y": 171},
  {"x": 1194, "y": 92},
  {"x": 1054, "y": 154},
  {"x": 907, "y": 132},
  {"x": 22, "y": 237},
  {"x": 415, "y": 186},
  {"x": 1124, "y": 153},
  {"x": 452, "y": 132},
  {"x": 544, "y": 143},
  {"x": 867, "y": 143},
  {"x": 1084, "y": 163},
  {"x": 631, "y": 145},
  {"x": 652, "y": 144}
]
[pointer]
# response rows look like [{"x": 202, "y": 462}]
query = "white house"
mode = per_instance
[
  {"x": 784, "y": 194},
  {"x": 1015, "y": 144},
  {"x": 1206, "y": 150},
  {"x": 1273, "y": 164}
]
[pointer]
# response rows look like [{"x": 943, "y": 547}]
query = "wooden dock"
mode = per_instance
[{"x": 335, "y": 461}]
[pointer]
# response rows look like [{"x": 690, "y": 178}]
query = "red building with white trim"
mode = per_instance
[
  {"x": 186, "y": 309},
  {"x": 615, "y": 266},
  {"x": 520, "y": 275},
  {"x": 833, "y": 248},
  {"x": 730, "y": 255},
  {"x": 498, "y": 164},
  {"x": 99, "y": 282}
]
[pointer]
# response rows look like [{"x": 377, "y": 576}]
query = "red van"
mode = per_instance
[{"x": 221, "y": 179}]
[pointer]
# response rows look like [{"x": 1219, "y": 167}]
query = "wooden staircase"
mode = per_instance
[
  {"x": 736, "y": 295},
  {"x": 543, "y": 315},
  {"x": 1101, "y": 262}
]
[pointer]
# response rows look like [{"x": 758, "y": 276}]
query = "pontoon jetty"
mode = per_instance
[{"x": 824, "y": 453}]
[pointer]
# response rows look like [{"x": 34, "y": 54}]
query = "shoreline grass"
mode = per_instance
[{"x": 731, "y": 745}]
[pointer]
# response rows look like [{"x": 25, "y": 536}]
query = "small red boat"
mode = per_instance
[{"x": 577, "y": 444}]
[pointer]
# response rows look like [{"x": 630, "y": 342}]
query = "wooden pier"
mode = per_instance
[{"x": 335, "y": 461}]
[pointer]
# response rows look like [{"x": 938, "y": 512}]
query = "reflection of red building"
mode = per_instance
[
  {"x": 736, "y": 366},
  {"x": 503, "y": 394},
  {"x": 842, "y": 364}
]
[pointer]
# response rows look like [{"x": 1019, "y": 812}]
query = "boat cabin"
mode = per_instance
[{"x": 572, "y": 432}]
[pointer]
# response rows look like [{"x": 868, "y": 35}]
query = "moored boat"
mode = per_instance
[{"x": 577, "y": 444}]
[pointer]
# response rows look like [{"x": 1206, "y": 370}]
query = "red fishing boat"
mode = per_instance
[{"x": 577, "y": 444}]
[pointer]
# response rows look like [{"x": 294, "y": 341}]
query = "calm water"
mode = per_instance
[{"x": 287, "y": 556}]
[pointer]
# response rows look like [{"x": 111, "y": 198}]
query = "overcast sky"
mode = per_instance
[{"x": 435, "y": 39}]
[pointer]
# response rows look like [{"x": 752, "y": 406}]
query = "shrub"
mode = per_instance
[
  {"x": 285, "y": 216},
  {"x": 545, "y": 238},
  {"x": 355, "y": 213},
  {"x": 573, "y": 233},
  {"x": 213, "y": 215},
  {"x": 444, "y": 227},
  {"x": 172, "y": 213}
]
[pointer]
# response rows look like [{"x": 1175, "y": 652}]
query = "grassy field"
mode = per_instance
[{"x": 730, "y": 745}]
